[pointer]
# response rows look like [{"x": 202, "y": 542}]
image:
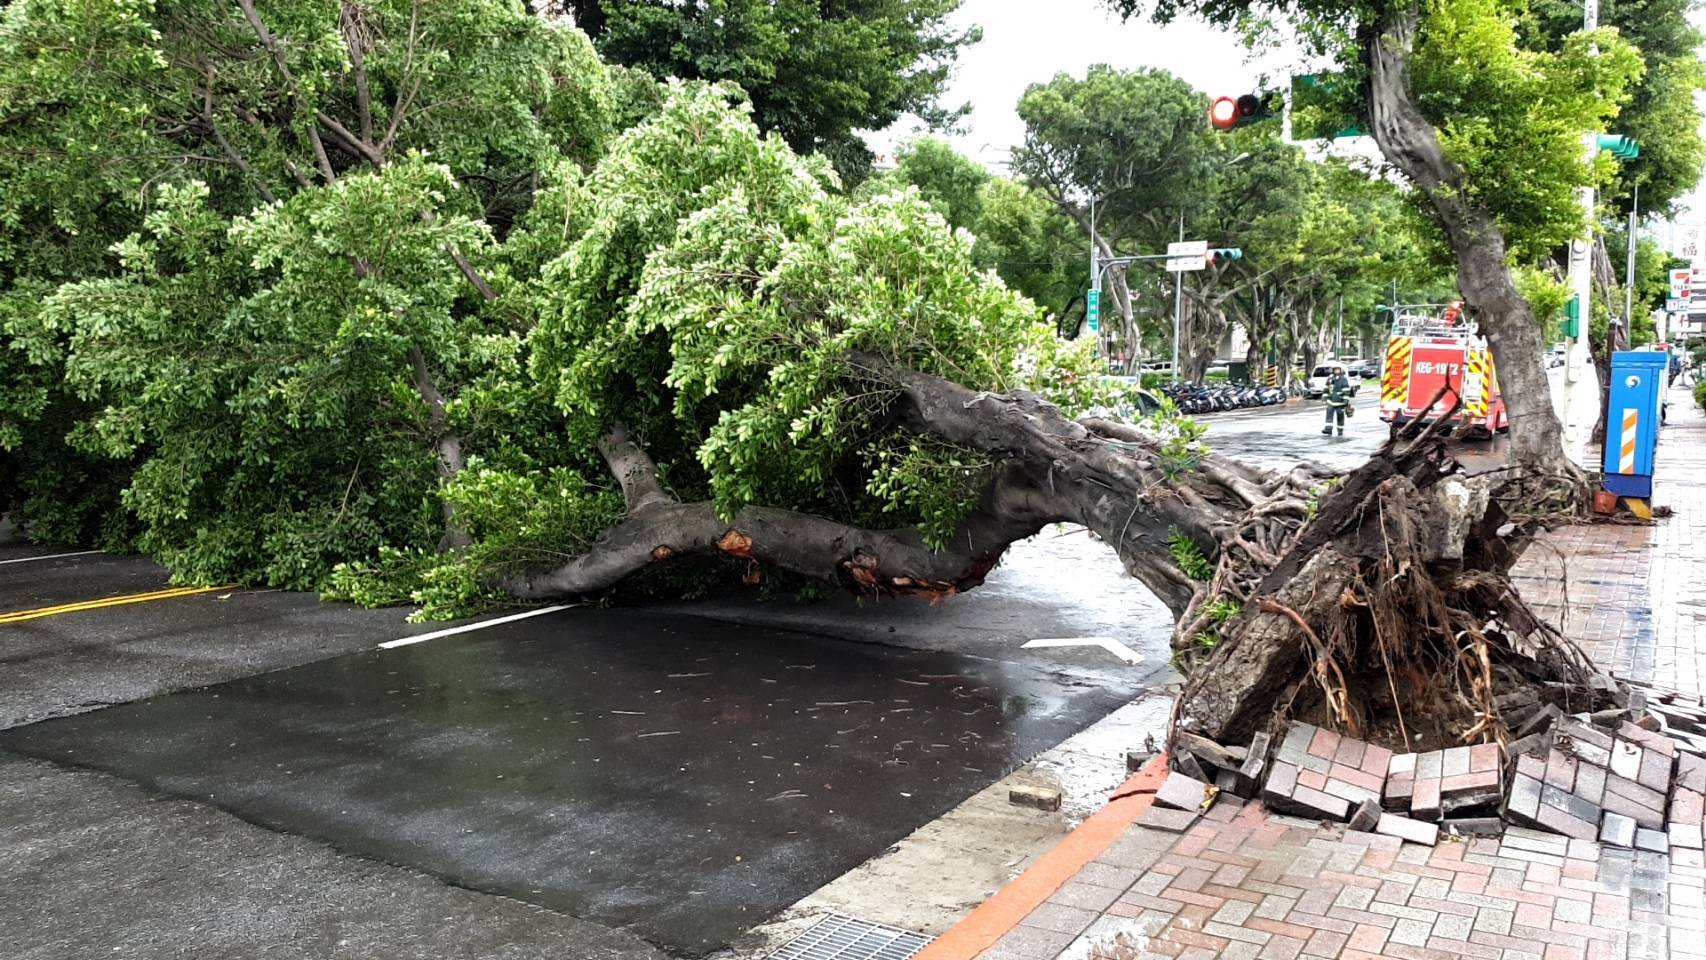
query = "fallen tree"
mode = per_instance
[{"x": 1301, "y": 595}]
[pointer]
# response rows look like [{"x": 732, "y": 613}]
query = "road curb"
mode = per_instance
[{"x": 1015, "y": 901}]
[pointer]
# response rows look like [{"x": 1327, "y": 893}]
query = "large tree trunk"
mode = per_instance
[
  {"x": 1293, "y": 596},
  {"x": 1409, "y": 140}
]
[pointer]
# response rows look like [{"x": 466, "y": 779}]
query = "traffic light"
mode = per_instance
[
  {"x": 1225, "y": 113},
  {"x": 1224, "y": 253},
  {"x": 1573, "y": 317},
  {"x": 1620, "y": 146}
]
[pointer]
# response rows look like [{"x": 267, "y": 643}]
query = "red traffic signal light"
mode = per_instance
[{"x": 1224, "y": 113}]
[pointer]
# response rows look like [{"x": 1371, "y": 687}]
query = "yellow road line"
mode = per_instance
[{"x": 18, "y": 616}]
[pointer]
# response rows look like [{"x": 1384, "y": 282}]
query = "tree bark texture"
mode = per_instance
[{"x": 1410, "y": 142}]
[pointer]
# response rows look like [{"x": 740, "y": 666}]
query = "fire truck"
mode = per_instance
[{"x": 1427, "y": 354}]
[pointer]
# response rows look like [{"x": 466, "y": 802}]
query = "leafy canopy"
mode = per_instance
[{"x": 816, "y": 71}]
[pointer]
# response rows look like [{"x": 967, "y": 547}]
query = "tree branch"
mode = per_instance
[{"x": 276, "y": 52}]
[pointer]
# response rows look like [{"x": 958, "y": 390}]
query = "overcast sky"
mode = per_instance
[{"x": 1025, "y": 42}]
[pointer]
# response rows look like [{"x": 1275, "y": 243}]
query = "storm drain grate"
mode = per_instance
[{"x": 843, "y": 938}]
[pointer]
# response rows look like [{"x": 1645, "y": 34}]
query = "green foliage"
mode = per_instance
[
  {"x": 1700, "y": 394},
  {"x": 519, "y": 519},
  {"x": 1189, "y": 556},
  {"x": 1035, "y": 248},
  {"x": 1661, "y": 113},
  {"x": 815, "y": 72},
  {"x": 1512, "y": 117},
  {"x": 204, "y": 309},
  {"x": 953, "y": 184}
]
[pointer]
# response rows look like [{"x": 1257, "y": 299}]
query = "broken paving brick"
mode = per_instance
[
  {"x": 1350, "y": 752},
  {"x": 1590, "y": 782},
  {"x": 1687, "y": 806},
  {"x": 1455, "y": 763},
  {"x": 1626, "y": 759},
  {"x": 1257, "y": 757},
  {"x": 1296, "y": 742},
  {"x": 1647, "y": 739},
  {"x": 1644, "y": 816},
  {"x": 1205, "y": 750},
  {"x": 1686, "y": 835},
  {"x": 1655, "y": 770},
  {"x": 1581, "y": 732},
  {"x": 1042, "y": 798},
  {"x": 1425, "y": 801},
  {"x": 1691, "y": 772},
  {"x": 1427, "y": 765},
  {"x": 1182, "y": 792},
  {"x": 1617, "y": 830},
  {"x": 1653, "y": 840},
  {"x": 1404, "y": 828},
  {"x": 1402, "y": 764},
  {"x": 1483, "y": 757},
  {"x": 1325, "y": 744},
  {"x": 1281, "y": 780},
  {"x": 1470, "y": 783},
  {"x": 1314, "y": 803},
  {"x": 1646, "y": 797},
  {"x": 1397, "y": 794},
  {"x": 1350, "y": 792},
  {"x": 1473, "y": 826},
  {"x": 1560, "y": 770},
  {"x": 1524, "y": 802},
  {"x": 1163, "y": 818},
  {"x": 1570, "y": 803},
  {"x": 1561, "y": 821},
  {"x": 1377, "y": 761},
  {"x": 1186, "y": 764},
  {"x": 1532, "y": 765},
  {"x": 1366, "y": 816}
]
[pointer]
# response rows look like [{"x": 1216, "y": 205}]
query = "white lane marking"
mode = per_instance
[
  {"x": 51, "y": 556},
  {"x": 469, "y": 627},
  {"x": 1109, "y": 644}
]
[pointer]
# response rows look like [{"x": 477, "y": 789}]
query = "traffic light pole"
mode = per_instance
[{"x": 1178, "y": 303}]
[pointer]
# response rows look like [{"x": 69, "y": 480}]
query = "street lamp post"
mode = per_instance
[{"x": 1576, "y": 398}]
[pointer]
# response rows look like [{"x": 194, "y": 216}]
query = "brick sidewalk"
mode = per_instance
[
  {"x": 1636, "y": 595},
  {"x": 1247, "y": 883}
]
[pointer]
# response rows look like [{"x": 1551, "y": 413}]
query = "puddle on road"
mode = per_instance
[{"x": 678, "y": 776}]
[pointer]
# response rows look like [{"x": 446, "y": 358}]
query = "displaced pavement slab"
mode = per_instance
[
  {"x": 658, "y": 772},
  {"x": 96, "y": 867}
]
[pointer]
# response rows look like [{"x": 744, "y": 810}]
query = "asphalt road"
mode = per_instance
[
  {"x": 1283, "y": 435},
  {"x": 243, "y": 774}
]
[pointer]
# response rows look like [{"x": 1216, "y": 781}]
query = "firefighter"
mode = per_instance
[{"x": 1338, "y": 401}]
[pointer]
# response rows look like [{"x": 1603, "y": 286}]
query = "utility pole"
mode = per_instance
[
  {"x": 1178, "y": 302},
  {"x": 1629, "y": 270},
  {"x": 1577, "y": 399}
]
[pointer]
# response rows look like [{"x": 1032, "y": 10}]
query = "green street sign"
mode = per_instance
[
  {"x": 1093, "y": 310},
  {"x": 1622, "y": 147}
]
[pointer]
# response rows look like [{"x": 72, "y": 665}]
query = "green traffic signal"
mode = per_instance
[
  {"x": 1573, "y": 317},
  {"x": 1620, "y": 146}
]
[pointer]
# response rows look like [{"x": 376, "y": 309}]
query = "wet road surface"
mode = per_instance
[
  {"x": 641, "y": 770},
  {"x": 1282, "y": 436}
]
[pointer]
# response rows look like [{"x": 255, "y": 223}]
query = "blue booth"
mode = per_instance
[{"x": 1638, "y": 379}]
